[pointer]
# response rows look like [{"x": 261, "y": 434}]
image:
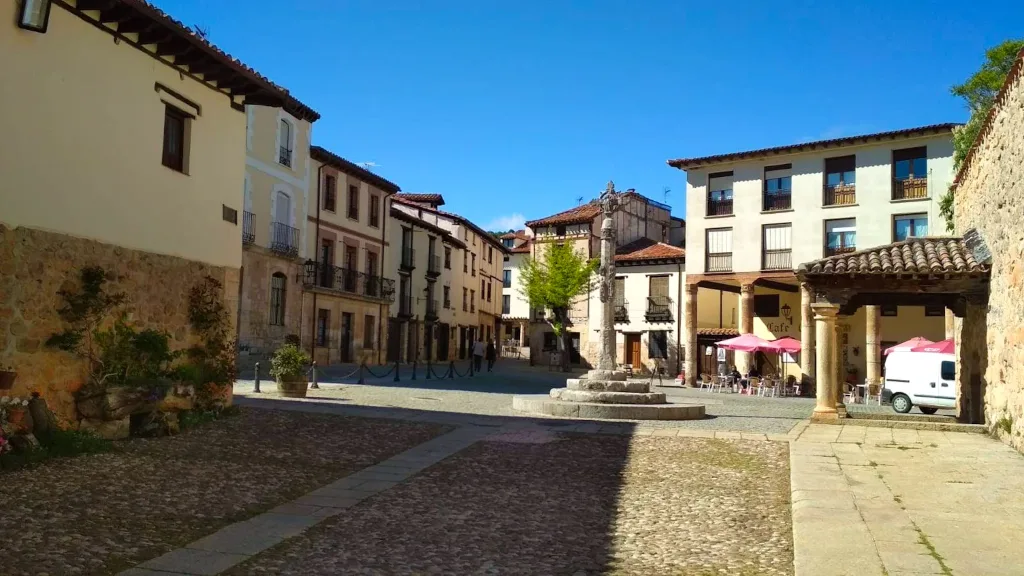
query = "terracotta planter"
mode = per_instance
[
  {"x": 19, "y": 419},
  {"x": 293, "y": 386},
  {"x": 7, "y": 379}
]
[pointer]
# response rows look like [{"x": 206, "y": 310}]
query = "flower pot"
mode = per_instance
[
  {"x": 19, "y": 419},
  {"x": 7, "y": 379},
  {"x": 292, "y": 386}
]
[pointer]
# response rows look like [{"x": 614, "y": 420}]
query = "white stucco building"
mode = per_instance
[{"x": 515, "y": 308}]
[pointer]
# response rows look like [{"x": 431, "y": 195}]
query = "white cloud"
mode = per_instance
[{"x": 514, "y": 221}]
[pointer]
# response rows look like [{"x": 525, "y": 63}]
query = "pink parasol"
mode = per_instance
[
  {"x": 942, "y": 347},
  {"x": 787, "y": 344},
  {"x": 909, "y": 345},
  {"x": 747, "y": 343}
]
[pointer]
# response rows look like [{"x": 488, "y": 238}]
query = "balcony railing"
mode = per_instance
[
  {"x": 408, "y": 258},
  {"x": 322, "y": 275},
  {"x": 622, "y": 311},
  {"x": 248, "y": 232},
  {"x": 284, "y": 156},
  {"x": 777, "y": 260},
  {"x": 405, "y": 306},
  {"x": 431, "y": 310},
  {"x": 284, "y": 239},
  {"x": 778, "y": 201},
  {"x": 840, "y": 250},
  {"x": 659, "y": 309},
  {"x": 909, "y": 188},
  {"x": 840, "y": 195},
  {"x": 720, "y": 207},
  {"x": 433, "y": 265},
  {"x": 719, "y": 262}
]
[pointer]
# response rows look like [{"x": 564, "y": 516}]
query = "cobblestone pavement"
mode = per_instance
[
  {"x": 491, "y": 394},
  {"x": 531, "y": 501},
  {"x": 99, "y": 513}
]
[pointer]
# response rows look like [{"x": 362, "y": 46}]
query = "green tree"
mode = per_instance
[
  {"x": 979, "y": 92},
  {"x": 554, "y": 283}
]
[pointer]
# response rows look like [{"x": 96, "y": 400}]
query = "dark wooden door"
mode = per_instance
[
  {"x": 633, "y": 350},
  {"x": 346, "y": 336},
  {"x": 574, "y": 347}
]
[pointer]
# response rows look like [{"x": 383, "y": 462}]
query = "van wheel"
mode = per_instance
[
  {"x": 928, "y": 410},
  {"x": 901, "y": 403}
]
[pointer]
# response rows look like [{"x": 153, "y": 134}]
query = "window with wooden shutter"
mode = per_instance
[
  {"x": 174, "y": 138},
  {"x": 659, "y": 286},
  {"x": 330, "y": 192}
]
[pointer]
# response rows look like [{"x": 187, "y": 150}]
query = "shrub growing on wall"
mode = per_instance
[{"x": 211, "y": 362}]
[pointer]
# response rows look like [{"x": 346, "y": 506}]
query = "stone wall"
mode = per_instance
[
  {"x": 257, "y": 337},
  {"x": 990, "y": 197},
  {"x": 35, "y": 264}
]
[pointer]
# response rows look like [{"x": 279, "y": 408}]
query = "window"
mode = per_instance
[
  {"x": 560, "y": 230},
  {"x": 277, "y": 295},
  {"x": 889, "y": 310},
  {"x": 465, "y": 298},
  {"x": 719, "y": 194},
  {"x": 657, "y": 344},
  {"x": 323, "y": 322},
  {"x": 447, "y": 297},
  {"x": 285, "y": 153},
  {"x": 934, "y": 310},
  {"x": 330, "y": 192},
  {"x": 506, "y": 304},
  {"x": 35, "y": 15},
  {"x": 472, "y": 300},
  {"x": 506, "y": 278},
  {"x": 447, "y": 258},
  {"x": 369, "y": 328},
  {"x": 490, "y": 255},
  {"x": 778, "y": 185},
  {"x": 840, "y": 178},
  {"x": 474, "y": 265},
  {"x": 766, "y": 305},
  {"x": 507, "y": 242},
  {"x": 174, "y": 138},
  {"x": 910, "y": 163},
  {"x": 947, "y": 370},
  {"x": 353, "y": 202},
  {"x": 374, "y": 210},
  {"x": 465, "y": 263},
  {"x": 719, "y": 250},
  {"x": 840, "y": 236},
  {"x": 909, "y": 225},
  {"x": 777, "y": 245},
  {"x": 488, "y": 291}
]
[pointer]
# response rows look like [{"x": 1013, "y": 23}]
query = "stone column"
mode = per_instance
[
  {"x": 950, "y": 324},
  {"x": 690, "y": 334},
  {"x": 746, "y": 312},
  {"x": 806, "y": 333},
  {"x": 825, "y": 325},
  {"x": 523, "y": 326},
  {"x": 972, "y": 362},
  {"x": 872, "y": 345}
]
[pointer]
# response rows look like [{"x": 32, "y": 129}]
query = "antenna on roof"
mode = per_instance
[
  {"x": 579, "y": 200},
  {"x": 664, "y": 193},
  {"x": 367, "y": 165},
  {"x": 202, "y": 32}
]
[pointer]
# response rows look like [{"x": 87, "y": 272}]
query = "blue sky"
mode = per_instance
[{"x": 516, "y": 109}]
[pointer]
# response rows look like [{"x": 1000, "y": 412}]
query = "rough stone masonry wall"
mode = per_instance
[
  {"x": 257, "y": 337},
  {"x": 35, "y": 264},
  {"x": 990, "y": 198}
]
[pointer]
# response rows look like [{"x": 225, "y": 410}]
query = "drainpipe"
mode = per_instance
[
  {"x": 316, "y": 263},
  {"x": 384, "y": 215},
  {"x": 679, "y": 317}
]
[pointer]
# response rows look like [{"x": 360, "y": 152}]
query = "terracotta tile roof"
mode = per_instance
[
  {"x": 697, "y": 162},
  {"x": 486, "y": 236},
  {"x": 523, "y": 248},
  {"x": 645, "y": 249},
  {"x": 432, "y": 199},
  {"x": 445, "y": 235},
  {"x": 717, "y": 332},
  {"x": 515, "y": 234},
  {"x": 931, "y": 256},
  {"x": 194, "y": 51},
  {"x": 583, "y": 213},
  {"x": 352, "y": 169}
]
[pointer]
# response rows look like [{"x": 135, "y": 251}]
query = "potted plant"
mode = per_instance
[
  {"x": 288, "y": 367},
  {"x": 7, "y": 377}
]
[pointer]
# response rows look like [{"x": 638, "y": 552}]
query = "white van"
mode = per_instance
[{"x": 923, "y": 379}]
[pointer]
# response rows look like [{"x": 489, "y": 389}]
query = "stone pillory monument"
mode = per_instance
[{"x": 605, "y": 392}]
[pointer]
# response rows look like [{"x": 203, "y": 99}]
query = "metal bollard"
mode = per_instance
[
  {"x": 314, "y": 384},
  {"x": 256, "y": 383},
  {"x": 361, "y": 380},
  {"x": 428, "y": 369},
  {"x": 396, "y": 370},
  {"x": 451, "y": 369},
  {"x": 413, "y": 369},
  {"x": 471, "y": 366}
]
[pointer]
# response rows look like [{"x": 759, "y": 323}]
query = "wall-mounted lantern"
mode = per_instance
[{"x": 35, "y": 15}]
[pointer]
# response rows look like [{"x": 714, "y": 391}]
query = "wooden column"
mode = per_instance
[
  {"x": 744, "y": 360},
  {"x": 872, "y": 344},
  {"x": 825, "y": 346},
  {"x": 807, "y": 356},
  {"x": 690, "y": 335}
]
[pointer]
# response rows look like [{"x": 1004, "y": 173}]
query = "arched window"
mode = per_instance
[
  {"x": 277, "y": 296},
  {"x": 285, "y": 137}
]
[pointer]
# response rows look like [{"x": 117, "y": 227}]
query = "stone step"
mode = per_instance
[
  {"x": 608, "y": 397},
  {"x": 939, "y": 426},
  {"x": 606, "y": 385},
  {"x": 538, "y": 404}
]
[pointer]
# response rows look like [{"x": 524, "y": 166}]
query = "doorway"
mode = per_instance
[
  {"x": 394, "y": 339},
  {"x": 346, "y": 337},
  {"x": 633, "y": 350},
  {"x": 574, "y": 347}
]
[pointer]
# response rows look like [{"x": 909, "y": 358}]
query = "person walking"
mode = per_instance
[
  {"x": 478, "y": 354},
  {"x": 492, "y": 355}
]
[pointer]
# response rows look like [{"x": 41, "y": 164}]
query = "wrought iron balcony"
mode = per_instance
[
  {"x": 433, "y": 265},
  {"x": 719, "y": 207},
  {"x": 408, "y": 258},
  {"x": 285, "y": 157},
  {"x": 781, "y": 200},
  {"x": 777, "y": 260},
  {"x": 721, "y": 262},
  {"x": 248, "y": 232},
  {"x": 284, "y": 239},
  {"x": 343, "y": 280},
  {"x": 622, "y": 311},
  {"x": 840, "y": 195},
  {"x": 431, "y": 310},
  {"x": 405, "y": 306},
  {"x": 659, "y": 309},
  {"x": 909, "y": 188}
]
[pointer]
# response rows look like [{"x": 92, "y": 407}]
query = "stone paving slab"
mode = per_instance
[{"x": 874, "y": 502}]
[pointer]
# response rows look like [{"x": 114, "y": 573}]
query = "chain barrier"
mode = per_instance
[{"x": 374, "y": 374}]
